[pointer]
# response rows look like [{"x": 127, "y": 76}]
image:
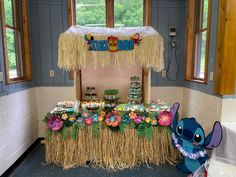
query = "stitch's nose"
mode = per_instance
[{"x": 188, "y": 134}]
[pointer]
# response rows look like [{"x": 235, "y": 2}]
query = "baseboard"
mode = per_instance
[{"x": 10, "y": 170}]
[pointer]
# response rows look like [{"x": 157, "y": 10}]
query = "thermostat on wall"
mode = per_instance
[{"x": 172, "y": 31}]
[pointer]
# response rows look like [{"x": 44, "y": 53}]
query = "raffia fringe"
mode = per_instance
[
  {"x": 74, "y": 55},
  {"x": 111, "y": 150}
]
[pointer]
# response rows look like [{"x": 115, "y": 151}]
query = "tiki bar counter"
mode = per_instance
[{"x": 106, "y": 131}]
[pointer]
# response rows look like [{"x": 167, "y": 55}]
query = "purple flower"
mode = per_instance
[
  {"x": 55, "y": 123},
  {"x": 80, "y": 120},
  {"x": 138, "y": 119}
]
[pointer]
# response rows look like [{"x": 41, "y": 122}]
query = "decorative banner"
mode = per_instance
[{"x": 112, "y": 44}]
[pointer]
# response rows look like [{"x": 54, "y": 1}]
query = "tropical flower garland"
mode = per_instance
[
  {"x": 143, "y": 122},
  {"x": 193, "y": 156}
]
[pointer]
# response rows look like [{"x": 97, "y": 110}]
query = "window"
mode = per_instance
[
  {"x": 110, "y": 13},
  {"x": 198, "y": 26},
  {"x": 15, "y": 40}
]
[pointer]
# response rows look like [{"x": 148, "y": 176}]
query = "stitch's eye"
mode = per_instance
[
  {"x": 197, "y": 138},
  {"x": 179, "y": 130}
]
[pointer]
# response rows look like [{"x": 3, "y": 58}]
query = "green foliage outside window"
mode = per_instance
[
  {"x": 11, "y": 37},
  {"x": 93, "y": 13},
  {"x": 128, "y": 13}
]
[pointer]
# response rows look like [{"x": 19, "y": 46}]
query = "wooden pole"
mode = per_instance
[
  {"x": 77, "y": 85},
  {"x": 146, "y": 85}
]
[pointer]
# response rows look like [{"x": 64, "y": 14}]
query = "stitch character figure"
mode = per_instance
[
  {"x": 112, "y": 43},
  {"x": 189, "y": 138},
  {"x": 136, "y": 38},
  {"x": 89, "y": 38}
]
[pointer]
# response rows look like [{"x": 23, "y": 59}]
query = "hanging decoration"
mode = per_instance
[{"x": 112, "y": 44}]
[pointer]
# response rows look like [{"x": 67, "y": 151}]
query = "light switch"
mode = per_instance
[
  {"x": 163, "y": 73},
  {"x": 51, "y": 73},
  {"x": 211, "y": 76},
  {"x": 1, "y": 76}
]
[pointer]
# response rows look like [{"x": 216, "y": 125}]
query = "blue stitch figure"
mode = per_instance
[{"x": 189, "y": 138}]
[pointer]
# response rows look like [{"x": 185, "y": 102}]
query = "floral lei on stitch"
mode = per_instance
[{"x": 194, "y": 156}]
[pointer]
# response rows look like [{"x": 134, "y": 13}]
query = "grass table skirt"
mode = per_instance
[{"x": 110, "y": 150}]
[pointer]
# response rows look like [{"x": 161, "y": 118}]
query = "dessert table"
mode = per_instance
[{"x": 114, "y": 139}]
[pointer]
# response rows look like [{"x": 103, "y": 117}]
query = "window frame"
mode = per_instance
[
  {"x": 24, "y": 43},
  {"x": 193, "y": 30}
]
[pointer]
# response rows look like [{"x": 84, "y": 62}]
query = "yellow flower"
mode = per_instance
[
  {"x": 64, "y": 116},
  {"x": 119, "y": 109},
  {"x": 100, "y": 118},
  {"x": 148, "y": 119}
]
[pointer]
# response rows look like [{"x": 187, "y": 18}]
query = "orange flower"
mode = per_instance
[
  {"x": 132, "y": 115},
  {"x": 113, "y": 119}
]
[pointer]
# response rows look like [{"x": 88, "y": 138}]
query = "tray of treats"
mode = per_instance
[
  {"x": 135, "y": 91},
  {"x": 111, "y": 98},
  {"x": 90, "y": 94}
]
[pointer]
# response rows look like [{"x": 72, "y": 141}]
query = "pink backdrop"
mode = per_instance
[{"x": 109, "y": 78}]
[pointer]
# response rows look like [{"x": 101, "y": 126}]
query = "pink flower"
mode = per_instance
[
  {"x": 88, "y": 121},
  {"x": 165, "y": 118}
]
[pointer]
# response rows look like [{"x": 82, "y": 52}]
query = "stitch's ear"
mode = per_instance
[
  {"x": 215, "y": 137},
  {"x": 173, "y": 110}
]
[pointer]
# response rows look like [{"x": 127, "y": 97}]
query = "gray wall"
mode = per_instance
[
  {"x": 48, "y": 18},
  {"x": 166, "y": 13}
]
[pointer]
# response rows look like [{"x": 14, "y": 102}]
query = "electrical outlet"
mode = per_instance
[
  {"x": 163, "y": 73},
  {"x": 1, "y": 76},
  {"x": 211, "y": 76},
  {"x": 51, "y": 73}
]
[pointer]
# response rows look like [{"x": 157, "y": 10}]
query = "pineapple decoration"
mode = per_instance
[{"x": 135, "y": 91}]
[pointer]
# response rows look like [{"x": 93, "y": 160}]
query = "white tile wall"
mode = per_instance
[
  {"x": 47, "y": 98},
  {"x": 205, "y": 108},
  {"x": 170, "y": 95},
  {"x": 18, "y": 125},
  {"x": 228, "y": 113}
]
